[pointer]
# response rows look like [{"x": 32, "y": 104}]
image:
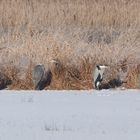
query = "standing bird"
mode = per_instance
[
  {"x": 98, "y": 76},
  {"x": 41, "y": 77},
  {"x": 4, "y": 81}
]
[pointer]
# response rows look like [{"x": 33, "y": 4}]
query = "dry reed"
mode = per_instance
[{"x": 80, "y": 33}]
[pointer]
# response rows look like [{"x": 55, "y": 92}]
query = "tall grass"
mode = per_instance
[{"x": 80, "y": 33}]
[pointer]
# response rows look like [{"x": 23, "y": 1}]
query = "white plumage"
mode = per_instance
[{"x": 98, "y": 75}]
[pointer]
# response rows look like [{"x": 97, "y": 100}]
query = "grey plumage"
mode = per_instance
[
  {"x": 98, "y": 75},
  {"x": 41, "y": 77},
  {"x": 114, "y": 83},
  {"x": 4, "y": 81}
]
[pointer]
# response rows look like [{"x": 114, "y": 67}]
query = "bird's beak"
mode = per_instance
[
  {"x": 104, "y": 67},
  {"x": 53, "y": 61}
]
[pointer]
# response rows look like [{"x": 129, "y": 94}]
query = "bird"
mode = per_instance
[
  {"x": 56, "y": 67},
  {"x": 98, "y": 78},
  {"x": 41, "y": 77},
  {"x": 98, "y": 75},
  {"x": 4, "y": 81}
]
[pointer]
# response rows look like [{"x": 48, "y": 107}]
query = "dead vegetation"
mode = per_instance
[{"x": 77, "y": 33}]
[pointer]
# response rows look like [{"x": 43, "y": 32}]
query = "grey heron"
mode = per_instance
[
  {"x": 41, "y": 77},
  {"x": 98, "y": 75},
  {"x": 4, "y": 81}
]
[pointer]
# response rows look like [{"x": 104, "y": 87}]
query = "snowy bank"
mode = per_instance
[{"x": 70, "y": 115}]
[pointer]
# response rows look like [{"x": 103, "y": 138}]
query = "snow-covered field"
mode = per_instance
[{"x": 70, "y": 115}]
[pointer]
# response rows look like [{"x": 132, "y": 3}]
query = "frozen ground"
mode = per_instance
[{"x": 70, "y": 115}]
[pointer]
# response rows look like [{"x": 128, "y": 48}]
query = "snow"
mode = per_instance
[{"x": 70, "y": 115}]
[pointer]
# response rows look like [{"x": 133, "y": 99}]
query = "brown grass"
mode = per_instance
[{"x": 80, "y": 33}]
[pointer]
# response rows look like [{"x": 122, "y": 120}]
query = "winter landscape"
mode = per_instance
[
  {"x": 69, "y": 38},
  {"x": 69, "y": 69},
  {"x": 70, "y": 115}
]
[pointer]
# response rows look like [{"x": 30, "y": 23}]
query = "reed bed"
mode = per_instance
[{"x": 79, "y": 33}]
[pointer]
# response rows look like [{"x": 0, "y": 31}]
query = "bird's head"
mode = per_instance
[
  {"x": 55, "y": 66},
  {"x": 100, "y": 67}
]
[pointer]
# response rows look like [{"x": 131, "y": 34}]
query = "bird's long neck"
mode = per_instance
[
  {"x": 101, "y": 72},
  {"x": 98, "y": 77}
]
